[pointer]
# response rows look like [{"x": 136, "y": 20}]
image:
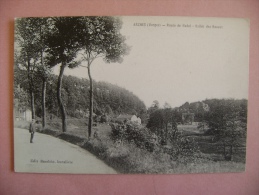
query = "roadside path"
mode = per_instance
[{"x": 51, "y": 155}]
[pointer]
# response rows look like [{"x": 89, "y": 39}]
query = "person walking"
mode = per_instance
[{"x": 32, "y": 129}]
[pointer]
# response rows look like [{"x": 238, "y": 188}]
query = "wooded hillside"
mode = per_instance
[{"x": 109, "y": 99}]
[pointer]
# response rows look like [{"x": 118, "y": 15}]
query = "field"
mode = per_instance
[
  {"x": 211, "y": 146},
  {"x": 127, "y": 158}
]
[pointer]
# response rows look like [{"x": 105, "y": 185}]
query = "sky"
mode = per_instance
[{"x": 179, "y": 59}]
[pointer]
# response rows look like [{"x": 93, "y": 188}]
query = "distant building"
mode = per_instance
[
  {"x": 21, "y": 113},
  {"x": 126, "y": 117}
]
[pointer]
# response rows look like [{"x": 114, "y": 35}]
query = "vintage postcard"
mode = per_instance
[{"x": 130, "y": 95}]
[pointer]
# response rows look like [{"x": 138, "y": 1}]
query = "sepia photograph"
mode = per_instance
[{"x": 130, "y": 94}]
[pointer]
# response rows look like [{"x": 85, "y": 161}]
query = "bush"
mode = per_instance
[
  {"x": 118, "y": 130},
  {"x": 184, "y": 149},
  {"x": 133, "y": 133}
]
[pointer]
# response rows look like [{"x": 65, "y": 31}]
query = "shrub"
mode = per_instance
[
  {"x": 184, "y": 149},
  {"x": 132, "y": 133},
  {"x": 118, "y": 131}
]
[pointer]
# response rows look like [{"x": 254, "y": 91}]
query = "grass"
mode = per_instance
[
  {"x": 127, "y": 158},
  {"x": 211, "y": 146}
]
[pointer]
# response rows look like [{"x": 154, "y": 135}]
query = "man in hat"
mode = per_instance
[{"x": 32, "y": 129}]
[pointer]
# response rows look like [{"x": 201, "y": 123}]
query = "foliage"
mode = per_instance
[
  {"x": 128, "y": 158},
  {"x": 183, "y": 149},
  {"x": 21, "y": 98},
  {"x": 156, "y": 120},
  {"x": 62, "y": 41},
  {"x": 75, "y": 96},
  {"x": 100, "y": 37},
  {"x": 132, "y": 133},
  {"x": 42, "y": 43},
  {"x": 63, "y": 45},
  {"x": 153, "y": 107},
  {"x": 29, "y": 46},
  {"x": 162, "y": 122},
  {"x": 227, "y": 121}
]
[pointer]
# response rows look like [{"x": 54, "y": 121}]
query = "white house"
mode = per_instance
[
  {"x": 24, "y": 115},
  {"x": 127, "y": 117},
  {"x": 21, "y": 113}
]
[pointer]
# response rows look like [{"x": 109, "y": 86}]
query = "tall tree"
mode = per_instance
[
  {"x": 28, "y": 49},
  {"x": 43, "y": 70},
  {"x": 153, "y": 107},
  {"x": 43, "y": 73},
  {"x": 63, "y": 46},
  {"x": 167, "y": 115},
  {"x": 227, "y": 118},
  {"x": 156, "y": 122},
  {"x": 101, "y": 37}
]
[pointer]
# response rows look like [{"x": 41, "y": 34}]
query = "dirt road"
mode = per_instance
[{"x": 51, "y": 155}]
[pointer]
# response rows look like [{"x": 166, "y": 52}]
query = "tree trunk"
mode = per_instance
[
  {"x": 32, "y": 104},
  {"x": 60, "y": 103},
  {"x": 44, "y": 83},
  {"x": 31, "y": 89},
  {"x": 231, "y": 152},
  {"x": 90, "y": 122},
  {"x": 166, "y": 133}
]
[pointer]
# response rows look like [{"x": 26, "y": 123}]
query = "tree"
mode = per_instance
[
  {"x": 175, "y": 117},
  {"x": 51, "y": 98},
  {"x": 158, "y": 124},
  {"x": 227, "y": 121},
  {"x": 28, "y": 50},
  {"x": 167, "y": 105},
  {"x": 30, "y": 39},
  {"x": 163, "y": 122},
  {"x": 100, "y": 37},
  {"x": 155, "y": 104},
  {"x": 167, "y": 115},
  {"x": 62, "y": 49},
  {"x": 43, "y": 71},
  {"x": 185, "y": 107},
  {"x": 21, "y": 95},
  {"x": 153, "y": 107}
]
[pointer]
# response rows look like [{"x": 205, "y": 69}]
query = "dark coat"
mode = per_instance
[{"x": 32, "y": 127}]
